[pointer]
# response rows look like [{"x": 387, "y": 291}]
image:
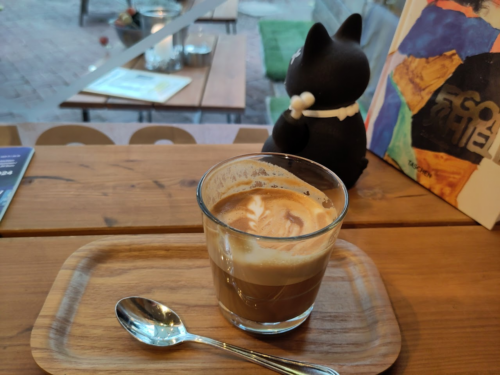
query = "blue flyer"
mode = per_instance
[{"x": 13, "y": 164}]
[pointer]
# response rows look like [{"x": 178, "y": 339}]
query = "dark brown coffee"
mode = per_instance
[{"x": 265, "y": 303}]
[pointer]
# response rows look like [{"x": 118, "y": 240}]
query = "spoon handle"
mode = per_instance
[{"x": 278, "y": 364}]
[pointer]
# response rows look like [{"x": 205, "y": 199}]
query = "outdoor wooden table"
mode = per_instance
[
  {"x": 225, "y": 13},
  {"x": 219, "y": 87},
  {"x": 151, "y": 189},
  {"x": 443, "y": 283}
]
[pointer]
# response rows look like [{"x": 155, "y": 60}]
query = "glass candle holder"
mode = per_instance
[{"x": 166, "y": 55}]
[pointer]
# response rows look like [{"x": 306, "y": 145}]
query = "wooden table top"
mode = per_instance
[
  {"x": 151, "y": 189},
  {"x": 226, "y": 12},
  {"x": 443, "y": 283},
  {"x": 217, "y": 87}
]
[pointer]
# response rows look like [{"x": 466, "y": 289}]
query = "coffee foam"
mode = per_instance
[
  {"x": 273, "y": 212},
  {"x": 263, "y": 261},
  {"x": 242, "y": 175},
  {"x": 269, "y": 262}
]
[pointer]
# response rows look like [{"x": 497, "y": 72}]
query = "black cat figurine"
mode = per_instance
[{"x": 324, "y": 79}]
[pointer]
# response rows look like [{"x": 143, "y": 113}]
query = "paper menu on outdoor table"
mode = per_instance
[
  {"x": 138, "y": 84},
  {"x": 13, "y": 164}
]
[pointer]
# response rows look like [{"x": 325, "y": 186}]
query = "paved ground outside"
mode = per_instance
[{"x": 42, "y": 49}]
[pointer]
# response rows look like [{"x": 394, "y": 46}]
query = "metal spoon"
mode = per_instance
[{"x": 155, "y": 324}]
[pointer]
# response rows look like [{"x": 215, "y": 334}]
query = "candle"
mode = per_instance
[{"x": 163, "y": 49}]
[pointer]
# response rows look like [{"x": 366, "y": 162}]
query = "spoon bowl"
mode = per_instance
[
  {"x": 150, "y": 322},
  {"x": 155, "y": 324}
]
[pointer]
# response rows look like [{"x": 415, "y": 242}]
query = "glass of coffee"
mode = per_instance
[{"x": 271, "y": 221}]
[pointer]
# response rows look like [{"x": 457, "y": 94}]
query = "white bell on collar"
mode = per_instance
[{"x": 299, "y": 105}]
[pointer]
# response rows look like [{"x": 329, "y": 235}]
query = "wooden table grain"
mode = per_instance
[
  {"x": 443, "y": 283},
  {"x": 151, "y": 189}
]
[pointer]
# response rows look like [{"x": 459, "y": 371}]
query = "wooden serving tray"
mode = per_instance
[{"x": 352, "y": 328}]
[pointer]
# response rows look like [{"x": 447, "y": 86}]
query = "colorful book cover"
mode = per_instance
[
  {"x": 13, "y": 164},
  {"x": 436, "y": 111}
]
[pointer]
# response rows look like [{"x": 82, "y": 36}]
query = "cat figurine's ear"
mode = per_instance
[
  {"x": 317, "y": 40},
  {"x": 351, "y": 29}
]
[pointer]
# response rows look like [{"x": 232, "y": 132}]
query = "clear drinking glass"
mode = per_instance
[
  {"x": 167, "y": 55},
  {"x": 268, "y": 285}
]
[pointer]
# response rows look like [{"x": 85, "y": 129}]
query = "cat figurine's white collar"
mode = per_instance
[
  {"x": 341, "y": 113},
  {"x": 299, "y": 105}
]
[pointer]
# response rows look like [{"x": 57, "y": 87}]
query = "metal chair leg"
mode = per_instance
[
  {"x": 237, "y": 118},
  {"x": 228, "y": 28},
  {"x": 234, "y": 28},
  {"x": 228, "y": 118},
  {"x": 140, "y": 118},
  {"x": 150, "y": 115},
  {"x": 197, "y": 117},
  {"x": 84, "y": 8},
  {"x": 85, "y": 115}
]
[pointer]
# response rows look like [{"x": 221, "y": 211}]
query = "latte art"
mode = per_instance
[
  {"x": 257, "y": 213},
  {"x": 273, "y": 212}
]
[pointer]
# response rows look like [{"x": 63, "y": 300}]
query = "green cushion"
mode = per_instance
[
  {"x": 280, "y": 40},
  {"x": 276, "y": 106}
]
